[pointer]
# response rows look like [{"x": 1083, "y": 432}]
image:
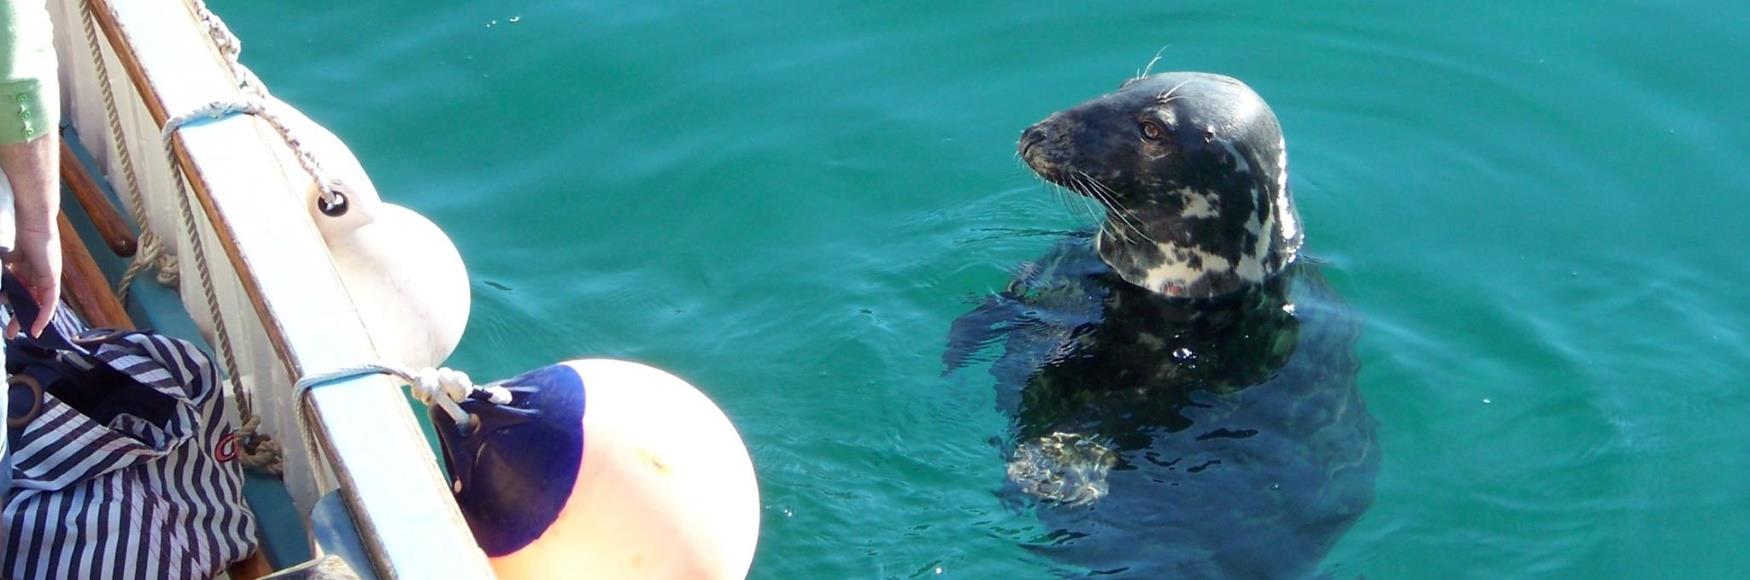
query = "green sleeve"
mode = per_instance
[
  {"x": 23, "y": 114},
  {"x": 29, "y": 101}
]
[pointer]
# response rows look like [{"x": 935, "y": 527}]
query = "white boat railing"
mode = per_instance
[{"x": 282, "y": 303}]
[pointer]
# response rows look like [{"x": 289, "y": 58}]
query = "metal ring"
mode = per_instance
[
  {"x": 336, "y": 209},
  {"x": 14, "y": 420}
]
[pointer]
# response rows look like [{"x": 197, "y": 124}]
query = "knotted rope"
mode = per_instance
[
  {"x": 442, "y": 387},
  {"x": 259, "y": 451}
]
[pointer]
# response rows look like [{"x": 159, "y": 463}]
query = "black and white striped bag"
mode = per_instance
[{"x": 123, "y": 463}]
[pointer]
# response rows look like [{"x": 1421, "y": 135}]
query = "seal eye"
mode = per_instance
[{"x": 1151, "y": 130}]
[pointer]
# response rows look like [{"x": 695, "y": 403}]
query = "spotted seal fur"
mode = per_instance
[
  {"x": 1195, "y": 169},
  {"x": 1182, "y": 380}
]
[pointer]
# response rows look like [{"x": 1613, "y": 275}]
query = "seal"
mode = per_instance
[
  {"x": 1181, "y": 380},
  {"x": 1193, "y": 172}
]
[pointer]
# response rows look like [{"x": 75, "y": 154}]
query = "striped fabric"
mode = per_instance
[{"x": 152, "y": 492}]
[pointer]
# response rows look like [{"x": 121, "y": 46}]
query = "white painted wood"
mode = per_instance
[{"x": 371, "y": 444}]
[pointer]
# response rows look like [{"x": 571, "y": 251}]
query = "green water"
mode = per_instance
[{"x": 1538, "y": 207}]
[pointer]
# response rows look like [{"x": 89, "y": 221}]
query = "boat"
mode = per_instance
[{"x": 199, "y": 205}]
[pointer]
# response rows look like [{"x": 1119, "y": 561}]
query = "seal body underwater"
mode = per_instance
[{"x": 1181, "y": 381}]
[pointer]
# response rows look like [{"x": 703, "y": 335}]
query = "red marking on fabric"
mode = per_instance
[{"x": 226, "y": 449}]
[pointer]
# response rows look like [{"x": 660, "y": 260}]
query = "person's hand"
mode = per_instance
[
  {"x": 36, "y": 261},
  {"x": 33, "y": 168}
]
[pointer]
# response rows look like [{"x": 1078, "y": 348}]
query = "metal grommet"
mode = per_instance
[
  {"x": 336, "y": 209},
  {"x": 14, "y": 419}
]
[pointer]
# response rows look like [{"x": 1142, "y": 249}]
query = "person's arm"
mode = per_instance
[
  {"x": 30, "y": 149},
  {"x": 33, "y": 168}
]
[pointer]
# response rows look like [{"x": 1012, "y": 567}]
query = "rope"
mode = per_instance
[
  {"x": 252, "y": 99},
  {"x": 259, "y": 450},
  {"x": 231, "y": 48},
  {"x": 443, "y": 387},
  {"x": 151, "y": 250}
]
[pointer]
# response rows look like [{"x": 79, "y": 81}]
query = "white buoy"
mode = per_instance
[
  {"x": 665, "y": 487},
  {"x": 340, "y": 165},
  {"x": 408, "y": 284},
  {"x": 406, "y": 278}
]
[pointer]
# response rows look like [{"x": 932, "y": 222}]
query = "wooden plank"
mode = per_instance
[
  {"x": 110, "y": 226},
  {"x": 84, "y": 283}
]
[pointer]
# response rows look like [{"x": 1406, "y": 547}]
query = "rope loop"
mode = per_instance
[
  {"x": 151, "y": 251},
  {"x": 442, "y": 387},
  {"x": 231, "y": 49},
  {"x": 212, "y": 111},
  {"x": 259, "y": 451}
]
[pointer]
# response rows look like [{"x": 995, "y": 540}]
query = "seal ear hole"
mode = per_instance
[{"x": 336, "y": 209}]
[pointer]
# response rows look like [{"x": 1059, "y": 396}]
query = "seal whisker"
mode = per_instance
[
  {"x": 1108, "y": 204},
  {"x": 1088, "y": 193},
  {"x": 1087, "y": 209},
  {"x": 1151, "y": 63},
  {"x": 1167, "y": 97},
  {"x": 1063, "y": 198},
  {"x": 1075, "y": 204},
  {"x": 1126, "y": 220},
  {"x": 1056, "y": 191},
  {"x": 1089, "y": 202},
  {"x": 1110, "y": 199},
  {"x": 1126, "y": 225},
  {"x": 1130, "y": 222},
  {"x": 1112, "y": 195}
]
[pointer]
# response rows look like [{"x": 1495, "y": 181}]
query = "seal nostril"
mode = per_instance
[{"x": 1030, "y": 139}]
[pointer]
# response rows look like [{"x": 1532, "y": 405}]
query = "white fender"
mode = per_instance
[
  {"x": 408, "y": 284},
  {"x": 337, "y": 161},
  {"x": 406, "y": 279},
  {"x": 666, "y": 488}
]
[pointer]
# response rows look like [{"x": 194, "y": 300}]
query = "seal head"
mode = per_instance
[{"x": 1193, "y": 172}]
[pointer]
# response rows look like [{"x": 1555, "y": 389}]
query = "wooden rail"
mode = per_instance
[
  {"x": 110, "y": 225},
  {"x": 84, "y": 285}
]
